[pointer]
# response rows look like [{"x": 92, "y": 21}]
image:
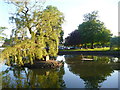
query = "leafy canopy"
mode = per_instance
[
  {"x": 44, "y": 26},
  {"x": 92, "y": 30}
]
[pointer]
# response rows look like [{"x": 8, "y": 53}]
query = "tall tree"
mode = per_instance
[
  {"x": 44, "y": 26},
  {"x": 93, "y": 30},
  {"x": 73, "y": 38}
]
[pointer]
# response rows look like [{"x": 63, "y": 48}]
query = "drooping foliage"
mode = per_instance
[{"x": 44, "y": 26}]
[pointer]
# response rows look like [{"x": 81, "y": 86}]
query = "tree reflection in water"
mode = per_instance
[
  {"x": 92, "y": 72},
  {"x": 32, "y": 78}
]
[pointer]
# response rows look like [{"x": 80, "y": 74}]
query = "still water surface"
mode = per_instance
[{"x": 102, "y": 72}]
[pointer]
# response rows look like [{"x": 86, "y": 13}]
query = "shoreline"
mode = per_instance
[
  {"x": 44, "y": 64},
  {"x": 99, "y": 53}
]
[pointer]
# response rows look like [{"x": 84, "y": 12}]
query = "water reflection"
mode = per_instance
[
  {"x": 92, "y": 72},
  {"x": 75, "y": 73},
  {"x": 35, "y": 78}
]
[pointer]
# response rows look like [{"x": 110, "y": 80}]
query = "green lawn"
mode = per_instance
[{"x": 95, "y": 49}]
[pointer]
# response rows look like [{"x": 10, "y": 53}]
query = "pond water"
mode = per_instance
[{"x": 101, "y": 72}]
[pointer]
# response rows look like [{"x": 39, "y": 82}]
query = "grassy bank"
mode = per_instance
[{"x": 95, "y": 49}]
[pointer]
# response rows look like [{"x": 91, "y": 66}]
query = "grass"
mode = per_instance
[{"x": 95, "y": 49}]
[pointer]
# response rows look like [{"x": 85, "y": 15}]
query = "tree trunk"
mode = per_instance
[
  {"x": 92, "y": 46},
  {"x": 85, "y": 46}
]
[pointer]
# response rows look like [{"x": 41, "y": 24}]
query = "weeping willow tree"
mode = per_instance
[{"x": 44, "y": 26}]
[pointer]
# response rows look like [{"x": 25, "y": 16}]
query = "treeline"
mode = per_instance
[
  {"x": 92, "y": 32},
  {"x": 115, "y": 43}
]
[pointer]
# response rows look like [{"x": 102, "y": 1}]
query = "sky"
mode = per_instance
[{"x": 73, "y": 11}]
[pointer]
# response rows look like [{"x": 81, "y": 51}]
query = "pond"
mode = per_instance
[{"x": 98, "y": 72}]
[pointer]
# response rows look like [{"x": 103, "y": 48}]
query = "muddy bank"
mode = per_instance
[
  {"x": 45, "y": 64},
  {"x": 100, "y": 53}
]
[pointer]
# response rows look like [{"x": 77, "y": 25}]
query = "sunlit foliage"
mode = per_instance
[{"x": 44, "y": 26}]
